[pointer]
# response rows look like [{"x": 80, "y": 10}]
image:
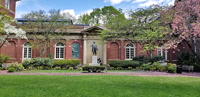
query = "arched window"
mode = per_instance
[
  {"x": 59, "y": 49},
  {"x": 27, "y": 50},
  {"x": 130, "y": 51},
  {"x": 162, "y": 52},
  {"x": 75, "y": 50}
]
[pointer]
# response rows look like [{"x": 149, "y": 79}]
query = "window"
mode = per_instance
[
  {"x": 162, "y": 52},
  {"x": 130, "y": 51},
  {"x": 27, "y": 50},
  {"x": 59, "y": 51},
  {"x": 7, "y": 4}
]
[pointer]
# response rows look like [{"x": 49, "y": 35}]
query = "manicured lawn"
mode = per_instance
[
  {"x": 98, "y": 86},
  {"x": 73, "y": 71}
]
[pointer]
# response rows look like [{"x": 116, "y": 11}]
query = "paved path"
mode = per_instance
[{"x": 184, "y": 74}]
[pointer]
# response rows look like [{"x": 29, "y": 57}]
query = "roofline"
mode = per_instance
[{"x": 44, "y": 20}]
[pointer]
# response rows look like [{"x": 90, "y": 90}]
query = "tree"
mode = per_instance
[
  {"x": 143, "y": 26},
  {"x": 84, "y": 19},
  {"x": 100, "y": 16},
  {"x": 7, "y": 28},
  {"x": 184, "y": 20},
  {"x": 45, "y": 28}
]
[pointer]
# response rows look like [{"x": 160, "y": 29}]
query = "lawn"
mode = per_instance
[
  {"x": 74, "y": 71},
  {"x": 98, "y": 86}
]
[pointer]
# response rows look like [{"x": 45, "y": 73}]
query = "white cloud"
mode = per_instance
[
  {"x": 20, "y": 13},
  {"x": 138, "y": 1},
  {"x": 84, "y": 12},
  {"x": 171, "y": 3},
  {"x": 70, "y": 11},
  {"x": 113, "y": 2}
]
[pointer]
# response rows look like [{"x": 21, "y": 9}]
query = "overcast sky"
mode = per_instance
[{"x": 77, "y": 7}]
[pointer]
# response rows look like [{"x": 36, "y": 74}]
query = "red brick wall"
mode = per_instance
[
  {"x": 114, "y": 49},
  {"x": 11, "y": 10}
]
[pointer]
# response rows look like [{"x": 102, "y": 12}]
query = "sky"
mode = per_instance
[{"x": 78, "y": 7}]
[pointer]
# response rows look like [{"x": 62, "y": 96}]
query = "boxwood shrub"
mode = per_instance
[
  {"x": 66, "y": 63},
  {"x": 93, "y": 68},
  {"x": 123, "y": 64}
]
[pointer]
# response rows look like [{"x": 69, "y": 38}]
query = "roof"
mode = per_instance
[{"x": 44, "y": 20}]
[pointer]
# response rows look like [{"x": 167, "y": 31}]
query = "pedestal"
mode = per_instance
[{"x": 94, "y": 61}]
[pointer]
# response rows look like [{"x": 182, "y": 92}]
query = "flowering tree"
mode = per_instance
[
  {"x": 6, "y": 29},
  {"x": 184, "y": 20}
]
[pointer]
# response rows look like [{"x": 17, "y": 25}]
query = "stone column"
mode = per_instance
[
  {"x": 85, "y": 50},
  {"x": 104, "y": 54}
]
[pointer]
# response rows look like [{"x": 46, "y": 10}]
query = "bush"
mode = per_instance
[
  {"x": 171, "y": 70},
  {"x": 66, "y": 63},
  {"x": 187, "y": 59},
  {"x": 11, "y": 70},
  {"x": 146, "y": 66},
  {"x": 3, "y": 58},
  {"x": 93, "y": 68},
  {"x": 37, "y": 62},
  {"x": 170, "y": 65},
  {"x": 16, "y": 66},
  {"x": 156, "y": 65},
  {"x": 144, "y": 60},
  {"x": 57, "y": 68},
  {"x": 123, "y": 64},
  {"x": 0, "y": 68}
]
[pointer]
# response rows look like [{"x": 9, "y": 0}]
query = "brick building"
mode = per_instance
[
  {"x": 10, "y": 6},
  {"x": 81, "y": 37}
]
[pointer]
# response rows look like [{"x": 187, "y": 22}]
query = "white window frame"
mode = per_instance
[
  {"x": 7, "y": 4},
  {"x": 59, "y": 51},
  {"x": 161, "y": 52},
  {"x": 27, "y": 58},
  {"x": 129, "y": 51}
]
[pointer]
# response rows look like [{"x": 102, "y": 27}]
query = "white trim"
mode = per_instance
[
  {"x": 27, "y": 58},
  {"x": 59, "y": 51},
  {"x": 161, "y": 51},
  {"x": 129, "y": 51},
  {"x": 8, "y": 2}
]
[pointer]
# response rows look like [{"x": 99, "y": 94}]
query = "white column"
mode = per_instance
[
  {"x": 104, "y": 54},
  {"x": 85, "y": 51}
]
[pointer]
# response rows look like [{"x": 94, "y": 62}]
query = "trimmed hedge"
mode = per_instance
[
  {"x": 145, "y": 60},
  {"x": 66, "y": 63},
  {"x": 93, "y": 68},
  {"x": 123, "y": 64}
]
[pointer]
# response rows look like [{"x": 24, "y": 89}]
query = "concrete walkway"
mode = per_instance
[{"x": 184, "y": 74}]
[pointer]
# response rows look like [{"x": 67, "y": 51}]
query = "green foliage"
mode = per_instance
[
  {"x": 16, "y": 66},
  {"x": 171, "y": 70},
  {"x": 11, "y": 70},
  {"x": 144, "y": 60},
  {"x": 35, "y": 62},
  {"x": 187, "y": 59},
  {"x": 0, "y": 68},
  {"x": 93, "y": 68},
  {"x": 3, "y": 58},
  {"x": 123, "y": 64},
  {"x": 146, "y": 66},
  {"x": 66, "y": 63},
  {"x": 157, "y": 66}
]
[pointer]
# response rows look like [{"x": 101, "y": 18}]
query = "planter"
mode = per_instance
[{"x": 179, "y": 70}]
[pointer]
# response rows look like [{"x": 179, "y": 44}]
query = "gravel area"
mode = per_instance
[{"x": 184, "y": 74}]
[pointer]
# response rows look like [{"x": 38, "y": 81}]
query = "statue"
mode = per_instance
[
  {"x": 94, "y": 48},
  {"x": 99, "y": 61},
  {"x": 75, "y": 50}
]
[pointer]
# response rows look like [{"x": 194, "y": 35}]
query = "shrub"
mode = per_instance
[
  {"x": 146, "y": 66},
  {"x": 66, "y": 63},
  {"x": 171, "y": 70},
  {"x": 123, "y": 64},
  {"x": 3, "y": 58},
  {"x": 170, "y": 65},
  {"x": 11, "y": 70},
  {"x": 35, "y": 62},
  {"x": 144, "y": 60},
  {"x": 93, "y": 68},
  {"x": 156, "y": 65},
  {"x": 187, "y": 59},
  {"x": 16, "y": 66},
  {"x": 0, "y": 68},
  {"x": 79, "y": 68},
  {"x": 71, "y": 68}
]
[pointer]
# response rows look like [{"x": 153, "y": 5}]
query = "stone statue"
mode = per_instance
[{"x": 94, "y": 48}]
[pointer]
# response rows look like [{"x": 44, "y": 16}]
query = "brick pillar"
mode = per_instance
[
  {"x": 122, "y": 48},
  {"x": 19, "y": 50}
]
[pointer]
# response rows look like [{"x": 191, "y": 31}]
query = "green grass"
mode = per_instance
[
  {"x": 98, "y": 86},
  {"x": 73, "y": 71}
]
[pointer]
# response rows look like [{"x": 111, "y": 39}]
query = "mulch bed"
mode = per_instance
[{"x": 184, "y": 74}]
